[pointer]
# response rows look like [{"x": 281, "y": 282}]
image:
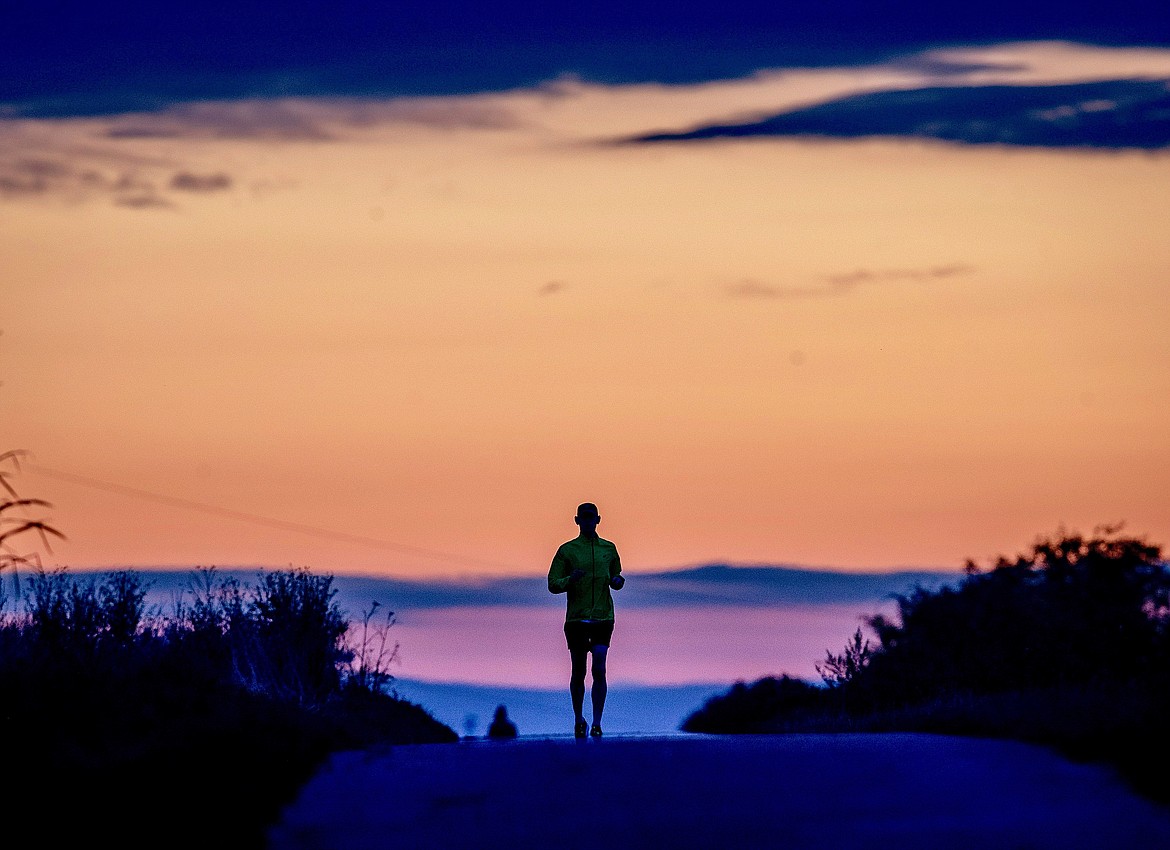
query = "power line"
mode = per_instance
[{"x": 256, "y": 519}]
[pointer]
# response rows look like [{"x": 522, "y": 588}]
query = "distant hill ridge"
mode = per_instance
[{"x": 712, "y": 584}]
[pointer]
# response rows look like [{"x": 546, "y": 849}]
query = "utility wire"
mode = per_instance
[{"x": 256, "y": 519}]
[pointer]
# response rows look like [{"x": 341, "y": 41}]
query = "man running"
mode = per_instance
[{"x": 586, "y": 568}]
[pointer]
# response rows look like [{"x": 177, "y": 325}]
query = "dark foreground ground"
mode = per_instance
[{"x": 791, "y": 791}]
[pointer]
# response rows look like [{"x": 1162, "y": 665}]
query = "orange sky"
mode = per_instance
[{"x": 444, "y": 322}]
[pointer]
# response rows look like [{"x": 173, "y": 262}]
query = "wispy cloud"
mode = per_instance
[
  {"x": 851, "y": 279},
  {"x": 935, "y": 64},
  {"x": 110, "y": 157},
  {"x": 144, "y": 202},
  {"x": 84, "y": 173},
  {"x": 287, "y": 120},
  {"x": 841, "y": 283},
  {"x": 305, "y": 119},
  {"x": 752, "y": 288},
  {"x": 31, "y": 176},
  {"x": 552, "y": 287},
  {"x": 185, "y": 181}
]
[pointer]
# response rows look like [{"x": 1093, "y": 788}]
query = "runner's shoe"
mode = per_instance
[
  {"x": 580, "y": 729},
  {"x": 595, "y": 731}
]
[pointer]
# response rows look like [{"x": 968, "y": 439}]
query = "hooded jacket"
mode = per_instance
[{"x": 589, "y": 596}]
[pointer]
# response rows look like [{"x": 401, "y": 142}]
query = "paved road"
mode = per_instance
[{"x": 792, "y": 791}]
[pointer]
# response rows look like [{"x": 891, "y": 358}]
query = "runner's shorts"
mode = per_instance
[{"x": 586, "y": 634}]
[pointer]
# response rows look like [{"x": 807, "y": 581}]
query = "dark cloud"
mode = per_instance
[
  {"x": 101, "y": 58},
  {"x": 552, "y": 287},
  {"x": 1116, "y": 114},
  {"x": 186, "y": 181}
]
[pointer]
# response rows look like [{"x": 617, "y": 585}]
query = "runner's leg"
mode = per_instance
[
  {"x": 577, "y": 682},
  {"x": 599, "y": 686}
]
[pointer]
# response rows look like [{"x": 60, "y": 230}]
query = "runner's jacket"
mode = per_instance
[{"x": 589, "y": 597}]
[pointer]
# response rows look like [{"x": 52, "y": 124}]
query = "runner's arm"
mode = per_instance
[{"x": 560, "y": 574}]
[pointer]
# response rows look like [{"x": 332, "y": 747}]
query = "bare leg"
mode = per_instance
[
  {"x": 599, "y": 686},
  {"x": 577, "y": 682}
]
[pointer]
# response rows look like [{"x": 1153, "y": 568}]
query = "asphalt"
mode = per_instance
[{"x": 787, "y": 791}]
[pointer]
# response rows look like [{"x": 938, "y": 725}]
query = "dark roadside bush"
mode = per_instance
[
  {"x": 1067, "y": 645},
  {"x": 750, "y": 708},
  {"x": 208, "y": 719},
  {"x": 1073, "y": 610}
]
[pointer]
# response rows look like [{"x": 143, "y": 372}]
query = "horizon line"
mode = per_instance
[{"x": 820, "y": 569}]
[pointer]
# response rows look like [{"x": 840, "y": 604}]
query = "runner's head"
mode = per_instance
[{"x": 587, "y": 517}]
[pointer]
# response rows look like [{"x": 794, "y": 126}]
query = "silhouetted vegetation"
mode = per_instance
[
  {"x": 502, "y": 727},
  {"x": 211, "y": 716},
  {"x": 17, "y": 523},
  {"x": 745, "y": 708},
  {"x": 1067, "y": 644}
]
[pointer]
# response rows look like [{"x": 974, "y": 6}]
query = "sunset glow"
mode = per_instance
[{"x": 443, "y": 322}]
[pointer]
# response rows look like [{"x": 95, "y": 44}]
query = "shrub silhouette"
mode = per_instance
[
  {"x": 242, "y": 691},
  {"x": 298, "y": 632},
  {"x": 77, "y": 619},
  {"x": 747, "y": 708},
  {"x": 839, "y": 670},
  {"x": 1072, "y": 610},
  {"x": 501, "y": 727},
  {"x": 286, "y": 637},
  {"x": 372, "y": 652},
  {"x": 1066, "y": 644}
]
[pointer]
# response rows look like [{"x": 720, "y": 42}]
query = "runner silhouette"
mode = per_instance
[{"x": 586, "y": 568}]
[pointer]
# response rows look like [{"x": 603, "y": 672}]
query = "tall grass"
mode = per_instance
[{"x": 17, "y": 523}]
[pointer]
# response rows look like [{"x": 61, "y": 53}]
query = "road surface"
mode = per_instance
[{"x": 785, "y": 791}]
